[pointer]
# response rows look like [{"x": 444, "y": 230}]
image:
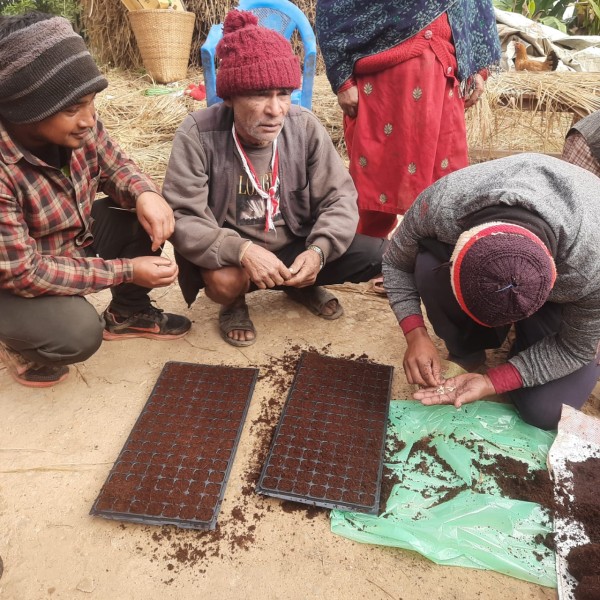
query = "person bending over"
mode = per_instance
[{"x": 514, "y": 241}]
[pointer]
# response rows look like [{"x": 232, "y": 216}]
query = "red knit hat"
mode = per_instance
[
  {"x": 254, "y": 58},
  {"x": 501, "y": 273}
]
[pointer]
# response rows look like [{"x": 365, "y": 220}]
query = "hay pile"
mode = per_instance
[
  {"x": 497, "y": 126},
  {"x": 111, "y": 40},
  {"x": 144, "y": 125},
  {"x": 529, "y": 112}
]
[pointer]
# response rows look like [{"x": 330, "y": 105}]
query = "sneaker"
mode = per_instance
[
  {"x": 31, "y": 374},
  {"x": 151, "y": 323}
]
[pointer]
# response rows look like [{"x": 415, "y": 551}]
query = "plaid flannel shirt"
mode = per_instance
[{"x": 45, "y": 217}]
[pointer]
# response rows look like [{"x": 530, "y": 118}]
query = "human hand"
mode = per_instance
[
  {"x": 479, "y": 86},
  {"x": 153, "y": 271},
  {"x": 264, "y": 268},
  {"x": 304, "y": 269},
  {"x": 348, "y": 100},
  {"x": 156, "y": 217},
  {"x": 458, "y": 390},
  {"x": 421, "y": 359}
]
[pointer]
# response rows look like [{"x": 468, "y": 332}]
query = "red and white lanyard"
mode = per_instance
[{"x": 270, "y": 195}]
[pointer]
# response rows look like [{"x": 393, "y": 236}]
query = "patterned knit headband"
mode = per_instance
[
  {"x": 44, "y": 68},
  {"x": 501, "y": 273}
]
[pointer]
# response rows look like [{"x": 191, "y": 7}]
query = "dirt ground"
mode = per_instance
[{"x": 58, "y": 445}]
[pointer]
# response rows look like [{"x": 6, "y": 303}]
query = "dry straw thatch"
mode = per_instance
[
  {"x": 111, "y": 40},
  {"x": 145, "y": 125},
  {"x": 530, "y": 112},
  {"x": 506, "y": 121}
]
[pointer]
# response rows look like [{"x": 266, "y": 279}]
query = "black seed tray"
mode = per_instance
[
  {"x": 329, "y": 443},
  {"x": 174, "y": 466}
]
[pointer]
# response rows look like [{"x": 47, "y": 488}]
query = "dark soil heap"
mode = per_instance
[{"x": 584, "y": 561}]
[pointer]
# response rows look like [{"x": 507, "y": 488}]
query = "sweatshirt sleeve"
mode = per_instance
[
  {"x": 198, "y": 237},
  {"x": 401, "y": 256},
  {"x": 574, "y": 346}
]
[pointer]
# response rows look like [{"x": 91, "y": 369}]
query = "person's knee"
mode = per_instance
[
  {"x": 543, "y": 415},
  {"x": 76, "y": 343},
  {"x": 225, "y": 285},
  {"x": 541, "y": 421},
  {"x": 373, "y": 249},
  {"x": 86, "y": 340}
]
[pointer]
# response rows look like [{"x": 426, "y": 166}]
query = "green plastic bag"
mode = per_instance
[{"x": 475, "y": 528}]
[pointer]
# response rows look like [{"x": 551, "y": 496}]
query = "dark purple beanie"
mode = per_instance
[{"x": 501, "y": 273}]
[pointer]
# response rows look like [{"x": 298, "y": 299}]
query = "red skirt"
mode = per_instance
[{"x": 409, "y": 132}]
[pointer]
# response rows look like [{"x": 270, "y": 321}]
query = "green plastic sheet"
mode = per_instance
[{"x": 477, "y": 527}]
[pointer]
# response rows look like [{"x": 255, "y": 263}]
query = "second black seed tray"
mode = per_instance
[
  {"x": 174, "y": 466},
  {"x": 329, "y": 443}
]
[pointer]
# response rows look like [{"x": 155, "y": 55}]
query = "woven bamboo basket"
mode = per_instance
[{"x": 164, "y": 38}]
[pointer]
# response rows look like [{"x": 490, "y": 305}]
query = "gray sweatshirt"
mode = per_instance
[
  {"x": 566, "y": 198},
  {"x": 317, "y": 195}
]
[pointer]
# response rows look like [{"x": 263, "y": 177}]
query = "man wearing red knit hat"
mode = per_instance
[
  {"x": 511, "y": 242},
  {"x": 260, "y": 196}
]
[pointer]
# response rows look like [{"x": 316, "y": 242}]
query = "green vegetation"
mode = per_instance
[
  {"x": 583, "y": 16},
  {"x": 69, "y": 9}
]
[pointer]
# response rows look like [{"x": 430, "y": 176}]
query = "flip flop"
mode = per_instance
[
  {"x": 236, "y": 317},
  {"x": 315, "y": 298},
  {"x": 376, "y": 286}
]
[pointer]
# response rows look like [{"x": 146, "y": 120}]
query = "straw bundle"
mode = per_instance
[
  {"x": 143, "y": 125},
  {"x": 529, "y": 112},
  {"x": 112, "y": 42}
]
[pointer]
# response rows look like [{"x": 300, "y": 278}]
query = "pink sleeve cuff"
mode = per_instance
[
  {"x": 505, "y": 378},
  {"x": 411, "y": 322}
]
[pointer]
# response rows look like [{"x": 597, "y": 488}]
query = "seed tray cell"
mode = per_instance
[
  {"x": 329, "y": 443},
  {"x": 174, "y": 466}
]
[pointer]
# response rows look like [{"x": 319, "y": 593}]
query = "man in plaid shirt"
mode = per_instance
[
  {"x": 56, "y": 242},
  {"x": 582, "y": 144}
]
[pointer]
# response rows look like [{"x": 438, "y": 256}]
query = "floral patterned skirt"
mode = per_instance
[{"x": 409, "y": 131}]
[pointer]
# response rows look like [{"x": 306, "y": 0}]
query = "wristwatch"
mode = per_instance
[{"x": 319, "y": 252}]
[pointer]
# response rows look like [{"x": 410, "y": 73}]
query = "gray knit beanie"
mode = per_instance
[{"x": 44, "y": 68}]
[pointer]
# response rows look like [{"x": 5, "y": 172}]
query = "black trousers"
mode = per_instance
[
  {"x": 539, "y": 405},
  {"x": 62, "y": 330},
  {"x": 360, "y": 262}
]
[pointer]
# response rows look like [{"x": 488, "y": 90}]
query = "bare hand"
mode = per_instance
[
  {"x": 421, "y": 359},
  {"x": 458, "y": 390},
  {"x": 348, "y": 100},
  {"x": 153, "y": 271},
  {"x": 479, "y": 86},
  {"x": 304, "y": 269},
  {"x": 264, "y": 268},
  {"x": 156, "y": 217}
]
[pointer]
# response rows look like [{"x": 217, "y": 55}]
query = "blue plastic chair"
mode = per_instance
[{"x": 281, "y": 16}]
